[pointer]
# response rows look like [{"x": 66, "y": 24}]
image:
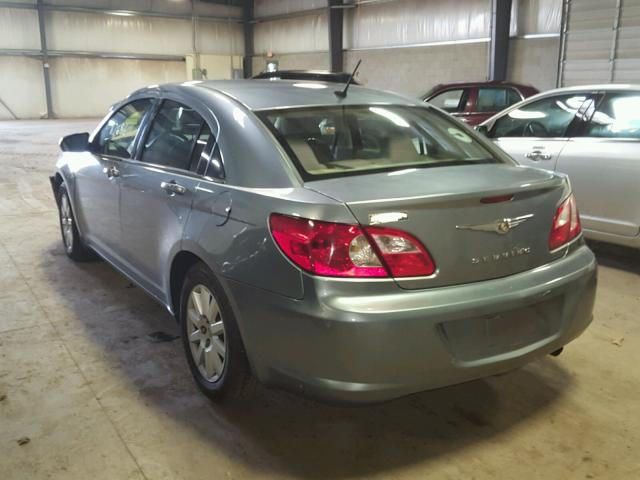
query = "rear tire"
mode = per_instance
[
  {"x": 211, "y": 339},
  {"x": 74, "y": 247}
]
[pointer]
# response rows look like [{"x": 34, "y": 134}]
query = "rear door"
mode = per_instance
[
  {"x": 603, "y": 163},
  {"x": 491, "y": 100},
  {"x": 536, "y": 132},
  {"x": 158, "y": 189},
  {"x": 98, "y": 181}
]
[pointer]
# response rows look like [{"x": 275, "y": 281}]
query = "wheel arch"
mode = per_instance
[
  {"x": 56, "y": 182},
  {"x": 61, "y": 176},
  {"x": 180, "y": 265}
]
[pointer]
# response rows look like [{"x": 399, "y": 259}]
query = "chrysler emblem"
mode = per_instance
[{"x": 501, "y": 226}]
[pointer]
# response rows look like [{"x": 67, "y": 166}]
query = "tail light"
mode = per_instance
[
  {"x": 566, "y": 224},
  {"x": 344, "y": 250}
]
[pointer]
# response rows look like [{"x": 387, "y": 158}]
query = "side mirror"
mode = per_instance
[
  {"x": 482, "y": 129},
  {"x": 76, "y": 142}
]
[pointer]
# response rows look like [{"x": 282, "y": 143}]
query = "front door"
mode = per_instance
[
  {"x": 536, "y": 133},
  {"x": 98, "y": 179},
  {"x": 157, "y": 192},
  {"x": 603, "y": 163}
]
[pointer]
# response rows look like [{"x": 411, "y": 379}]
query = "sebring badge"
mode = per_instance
[
  {"x": 498, "y": 256},
  {"x": 501, "y": 226}
]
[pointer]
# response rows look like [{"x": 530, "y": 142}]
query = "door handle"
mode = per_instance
[
  {"x": 112, "y": 171},
  {"x": 173, "y": 188},
  {"x": 537, "y": 155}
]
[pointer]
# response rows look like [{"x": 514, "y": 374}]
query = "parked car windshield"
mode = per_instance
[{"x": 343, "y": 140}]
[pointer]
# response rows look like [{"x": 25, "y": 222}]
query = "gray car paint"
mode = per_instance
[
  {"x": 604, "y": 172},
  {"x": 343, "y": 339}
]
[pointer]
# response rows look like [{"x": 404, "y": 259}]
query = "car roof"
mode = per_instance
[
  {"x": 489, "y": 83},
  {"x": 268, "y": 95},
  {"x": 480, "y": 84},
  {"x": 318, "y": 75},
  {"x": 599, "y": 87}
]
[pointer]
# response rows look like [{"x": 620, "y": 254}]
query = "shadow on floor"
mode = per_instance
[
  {"x": 616, "y": 256},
  {"x": 274, "y": 431}
]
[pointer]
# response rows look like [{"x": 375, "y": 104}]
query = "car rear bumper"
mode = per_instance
[{"x": 353, "y": 341}]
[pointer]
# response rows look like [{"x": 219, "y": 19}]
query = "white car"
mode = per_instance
[{"x": 592, "y": 133}]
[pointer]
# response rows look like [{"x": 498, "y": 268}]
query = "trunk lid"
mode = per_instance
[{"x": 444, "y": 210}]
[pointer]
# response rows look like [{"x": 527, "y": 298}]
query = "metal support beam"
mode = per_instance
[
  {"x": 247, "y": 23},
  {"x": 564, "y": 22},
  {"x": 336, "y": 19},
  {"x": 614, "y": 41},
  {"x": 500, "y": 22},
  {"x": 45, "y": 59}
]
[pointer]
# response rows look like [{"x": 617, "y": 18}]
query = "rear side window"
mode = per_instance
[
  {"x": 178, "y": 138},
  {"x": 548, "y": 117},
  {"x": 117, "y": 136},
  {"x": 617, "y": 116},
  {"x": 344, "y": 140},
  {"x": 495, "y": 99},
  {"x": 451, "y": 101}
]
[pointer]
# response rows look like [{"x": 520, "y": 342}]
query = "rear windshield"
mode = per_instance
[{"x": 344, "y": 140}]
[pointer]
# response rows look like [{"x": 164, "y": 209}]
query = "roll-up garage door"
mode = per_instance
[{"x": 601, "y": 42}]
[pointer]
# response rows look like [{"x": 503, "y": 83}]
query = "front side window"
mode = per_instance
[
  {"x": 452, "y": 101},
  {"x": 355, "y": 139},
  {"x": 617, "y": 116},
  {"x": 117, "y": 135},
  {"x": 495, "y": 99},
  {"x": 549, "y": 117},
  {"x": 178, "y": 138}
]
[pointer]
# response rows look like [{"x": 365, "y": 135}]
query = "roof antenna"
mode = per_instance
[{"x": 343, "y": 93}]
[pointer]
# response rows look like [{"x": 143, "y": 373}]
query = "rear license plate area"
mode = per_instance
[{"x": 476, "y": 338}]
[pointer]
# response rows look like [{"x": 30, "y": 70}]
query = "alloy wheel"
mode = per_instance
[
  {"x": 205, "y": 329},
  {"x": 66, "y": 221}
]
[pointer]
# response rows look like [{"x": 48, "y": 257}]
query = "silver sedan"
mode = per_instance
[
  {"x": 591, "y": 133},
  {"x": 355, "y": 246}
]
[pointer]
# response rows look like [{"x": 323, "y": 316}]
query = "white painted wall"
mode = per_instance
[{"x": 88, "y": 86}]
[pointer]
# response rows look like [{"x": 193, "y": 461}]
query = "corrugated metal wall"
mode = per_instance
[
  {"x": 409, "y": 45},
  {"x": 85, "y": 86},
  {"x": 601, "y": 42}
]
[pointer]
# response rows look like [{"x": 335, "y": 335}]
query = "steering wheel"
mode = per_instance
[{"x": 535, "y": 129}]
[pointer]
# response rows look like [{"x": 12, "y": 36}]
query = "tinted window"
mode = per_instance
[
  {"x": 617, "y": 116},
  {"x": 451, "y": 100},
  {"x": 496, "y": 99},
  {"x": 178, "y": 137},
  {"x": 548, "y": 117},
  {"x": 117, "y": 135},
  {"x": 344, "y": 140}
]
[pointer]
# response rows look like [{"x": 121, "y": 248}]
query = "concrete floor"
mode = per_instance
[{"x": 92, "y": 373}]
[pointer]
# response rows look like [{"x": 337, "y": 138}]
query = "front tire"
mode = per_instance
[
  {"x": 73, "y": 245},
  {"x": 210, "y": 336}
]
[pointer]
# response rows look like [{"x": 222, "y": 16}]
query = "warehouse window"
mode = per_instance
[
  {"x": 178, "y": 137},
  {"x": 116, "y": 138},
  {"x": 618, "y": 116}
]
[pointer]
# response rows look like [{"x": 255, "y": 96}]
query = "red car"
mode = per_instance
[{"x": 475, "y": 102}]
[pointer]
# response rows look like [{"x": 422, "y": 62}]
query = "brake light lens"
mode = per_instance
[
  {"x": 344, "y": 250},
  {"x": 566, "y": 224}
]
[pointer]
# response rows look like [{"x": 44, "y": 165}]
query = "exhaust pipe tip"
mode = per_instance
[{"x": 557, "y": 352}]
